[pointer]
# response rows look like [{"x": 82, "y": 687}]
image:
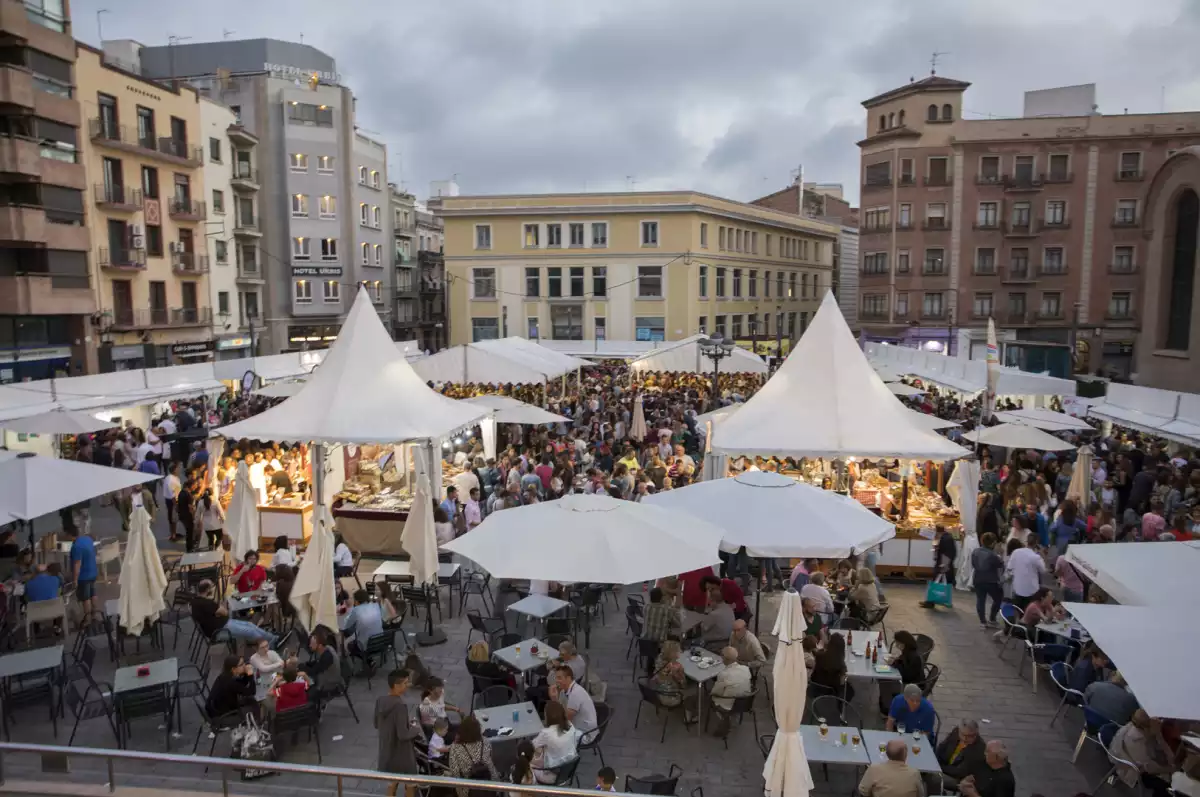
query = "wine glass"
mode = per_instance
[{"x": 823, "y": 728}]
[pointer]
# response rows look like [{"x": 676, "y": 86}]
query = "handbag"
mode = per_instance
[
  {"x": 252, "y": 742},
  {"x": 939, "y": 593}
]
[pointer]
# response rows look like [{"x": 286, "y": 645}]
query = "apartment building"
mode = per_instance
[
  {"x": 147, "y": 216},
  {"x": 405, "y": 319},
  {"x": 1035, "y": 221},
  {"x": 326, "y": 228},
  {"x": 434, "y": 321},
  {"x": 630, "y": 266},
  {"x": 46, "y": 297}
]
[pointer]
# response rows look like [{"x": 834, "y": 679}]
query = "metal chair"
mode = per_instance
[
  {"x": 377, "y": 646},
  {"x": 476, "y": 584},
  {"x": 647, "y": 654},
  {"x": 655, "y": 784},
  {"x": 932, "y": 674},
  {"x": 633, "y": 626},
  {"x": 925, "y": 646},
  {"x": 141, "y": 703},
  {"x": 741, "y": 707},
  {"x": 765, "y": 743},
  {"x": 215, "y": 727},
  {"x": 603, "y": 715},
  {"x": 564, "y": 773},
  {"x": 1060, "y": 674},
  {"x": 306, "y": 717},
  {"x": 1093, "y": 721},
  {"x": 355, "y": 561},
  {"x": 654, "y": 697},
  {"x": 495, "y": 696},
  {"x": 488, "y": 626},
  {"x": 94, "y": 702},
  {"x": 1009, "y": 615},
  {"x": 508, "y": 640},
  {"x": 555, "y": 640},
  {"x": 181, "y": 607},
  {"x": 1042, "y": 657},
  {"x": 850, "y": 624},
  {"x": 480, "y": 684},
  {"x": 1106, "y": 735},
  {"x": 874, "y": 618},
  {"x": 832, "y": 707}
]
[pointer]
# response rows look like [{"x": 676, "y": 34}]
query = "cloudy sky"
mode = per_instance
[{"x": 725, "y": 97}]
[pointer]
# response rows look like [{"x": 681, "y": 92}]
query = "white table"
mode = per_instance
[
  {"x": 198, "y": 558},
  {"x": 830, "y": 750},
  {"x": 404, "y": 570},
  {"x": 857, "y": 664},
  {"x": 248, "y": 601},
  {"x": 923, "y": 761},
  {"x": 525, "y": 660},
  {"x": 538, "y": 607},
  {"x": 1064, "y": 629},
  {"x": 689, "y": 619},
  {"x": 701, "y": 675},
  {"x": 528, "y": 723}
]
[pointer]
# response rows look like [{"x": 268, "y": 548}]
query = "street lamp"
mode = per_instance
[{"x": 716, "y": 349}]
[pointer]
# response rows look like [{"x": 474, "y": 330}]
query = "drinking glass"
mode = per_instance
[
  {"x": 824, "y": 728},
  {"x": 900, "y": 728},
  {"x": 854, "y": 739}
]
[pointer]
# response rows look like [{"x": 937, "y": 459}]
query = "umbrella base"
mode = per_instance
[{"x": 432, "y": 637}]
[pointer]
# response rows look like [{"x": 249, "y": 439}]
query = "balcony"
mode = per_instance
[
  {"x": 128, "y": 318},
  {"x": 933, "y": 313},
  {"x": 981, "y": 314},
  {"x": 1122, "y": 268},
  {"x": 16, "y": 87},
  {"x": 248, "y": 269},
  {"x": 986, "y": 225},
  {"x": 1052, "y": 270},
  {"x": 938, "y": 270},
  {"x": 1019, "y": 230},
  {"x": 907, "y": 180},
  {"x": 874, "y": 273},
  {"x": 937, "y": 180},
  {"x": 877, "y": 184},
  {"x": 984, "y": 270},
  {"x": 1058, "y": 177},
  {"x": 1129, "y": 175},
  {"x": 240, "y": 135},
  {"x": 1022, "y": 182},
  {"x": 989, "y": 179},
  {"x": 1123, "y": 222},
  {"x": 20, "y": 156},
  {"x": 246, "y": 225},
  {"x": 168, "y": 150},
  {"x": 1121, "y": 315},
  {"x": 873, "y": 315},
  {"x": 1054, "y": 224},
  {"x": 1049, "y": 314},
  {"x": 118, "y": 197},
  {"x": 935, "y": 225},
  {"x": 1017, "y": 274},
  {"x": 121, "y": 259},
  {"x": 244, "y": 178},
  {"x": 189, "y": 264},
  {"x": 904, "y": 226},
  {"x": 1016, "y": 317},
  {"x": 431, "y": 285},
  {"x": 876, "y": 229},
  {"x": 187, "y": 210}
]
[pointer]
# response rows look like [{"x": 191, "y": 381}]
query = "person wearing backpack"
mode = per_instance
[
  {"x": 397, "y": 731},
  {"x": 471, "y": 754}
]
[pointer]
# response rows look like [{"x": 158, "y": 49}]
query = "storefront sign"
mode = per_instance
[
  {"x": 316, "y": 271},
  {"x": 233, "y": 343},
  {"x": 32, "y": 355},
  {"x": 199, "y": 348},
  {"x": 289, "y": 72},
  {"x": 132, "y": 352}
]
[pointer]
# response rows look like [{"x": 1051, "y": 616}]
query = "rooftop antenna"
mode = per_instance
[
  {"x": 631, "y": 182},
  {"x": 933, "y": 59},
  {"x": 226, "y": 33},
  {"x": 100, "y": 25}
]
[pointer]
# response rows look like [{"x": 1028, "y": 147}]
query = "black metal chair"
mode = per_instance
[
  {"x": 875, "y": 618},
  {"x": 932, "y": 674},
  {"x": 450, "y": 583},
  {"x": 765, "y": 743},
  {"x": 377, "y": 648},
  {"x": 593, "y": 738},
  {"x": 564, "y": 773},
  {"x": 508, "y": 640},
  {"x": 480, "y": 684},
  {"x": 741, "y": 707},
  {"x": 655, "y": 784},
  {"x": 181, "y": 607},
  {"x": 27, "y": 690},
  {"x": 215, "y": 726},
  {"x": 94, "y": 702},
  {"x": 495, "y": 696},
  {"x": 488, "y": 626},
  {"x": 834, "y": 710},
  {"x": 633, "y": 627},
  {"x": 419, "y": 597},
  {"x": 555, "y": 640},
  {"x": 306, "y": 717},
  {"x": 654, "y": 697},
  {"x": 476, "y": 584},
  {"x": 647, "y": 654},
  {"x": 355, "y": 561},
  {"x": 850, "y": 624},
  {"x": 925, "y": 646},
  {"x": 139, "y": 704}
]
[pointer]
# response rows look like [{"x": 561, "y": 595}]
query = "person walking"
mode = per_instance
[
  {"x": 987, "y": 570},
  {"x": 212, "y": 518},
  {"x": 397, "y": 731}
]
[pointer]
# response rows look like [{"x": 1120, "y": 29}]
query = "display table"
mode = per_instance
[
  {"x": 293, "y": 521},
  {"x": 375, "y": 531}
]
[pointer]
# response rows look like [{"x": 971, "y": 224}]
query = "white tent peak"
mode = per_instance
[
  {"x": 764, "y": 478},
  {"x": 827, "y": 401},
  {"x": 364, "y": 392}
]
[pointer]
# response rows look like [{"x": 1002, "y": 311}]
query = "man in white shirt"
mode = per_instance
[
  {"x": 733, "y": 681},
  {"x": 471, "y": 511},
  {"x": 1026, "y": 566},
  {"x": 466, "y": 482},
  {"x": 581, "y": 711},
  {"x": 815, "y": 591}
]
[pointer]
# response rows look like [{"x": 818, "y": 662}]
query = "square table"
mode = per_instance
[
  {"x": 404, "y": 570},
  {"x": 924, "y": 761},
  {"x": 857, "y": 664},
  {"x": 829, "y": 750},
  {"x": 528, "y": 723},
  {"x": 197, "y": 558},
  {"x": 701, "y": 675},
  {"x": 246, "y": 601},
  {"x": 538, "y": 607},
  {"x": 24, "y": 663},
  {"x": 1063, "y": 629},
  {"x": 525, "y": 660},
  {"x": 163, "y": 673}
]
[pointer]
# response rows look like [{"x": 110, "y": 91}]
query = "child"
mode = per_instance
[
  {"x": 433, "y": 701},
  {"x": 605, "y": 779},
  {"x": 291, "y": 690},
  {"x": 437, "y": 741}
]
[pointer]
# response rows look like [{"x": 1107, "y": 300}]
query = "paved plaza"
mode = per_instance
[{"x": 975, "y": 683}]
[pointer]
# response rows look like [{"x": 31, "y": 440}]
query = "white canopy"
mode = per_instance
[
  {"x": 530, "y": 354},
  {"x": 932, "y": 422},
  {"x": 885, "y": 373},
  {"x": 280, "y": 389},
  {"x": 776, "y": 516},
  {"x": 32, "y": 486},
  {"x": 314, "y": 596},
  {"x": 1155, "y": 659},
  {"x": 589, "y": 538},
  {"x": 503, "y": 409},
  {"x": 901, "y": 389},
  {"x": 1015, "y": 435},
  {"x": 242, "y": 520},
  {"x": 826, "y": 401},
  {"x": 685, "y": 357},
  {"x": 965, "y": 375},
  {"x": 786, "y": 773},
  {"x": 472, "y": 364},
  {"x": 1166, "y": 413},
  {"x": 1155, "y": 574},
  {"x": 60, "y": 421},
  {"x": 364, "y": 392},
  {"x": 143, "y": 582},
  {"x": 719, "y": 414},
  {"x": 1049, "y": 420}
]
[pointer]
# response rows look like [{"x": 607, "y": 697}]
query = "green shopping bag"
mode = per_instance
[{"x": 939, "y": 593}]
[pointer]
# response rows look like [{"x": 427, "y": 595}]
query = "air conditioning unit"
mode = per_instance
[
  {"x": 139, "y": 242},
  {"x": 137, "y": 231},
  {"x": 175, "y": 248}
]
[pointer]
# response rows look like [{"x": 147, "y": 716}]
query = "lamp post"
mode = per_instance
[
  {"x": 778, "y": 335},
  {"x": 716, "y": 349}
]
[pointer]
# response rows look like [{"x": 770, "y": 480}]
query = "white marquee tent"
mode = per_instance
[
  {"x": 965, "y": 375},
  {"x": 1142, "y": 573},
  {"x": 685, "y": 357},
  {"x": 826, "y": 401},
  {"x": 1166, "y": 413},
  {"x": 533, "y": 355},
  {"x": 932, "y": 422},
  {"x": 1049, "y": 420}
]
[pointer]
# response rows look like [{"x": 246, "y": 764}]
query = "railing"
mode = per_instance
[
  {"x": 878, "y": 182},
  {"x": 873, "y": 315},
  {"x": 244, "y": 171},
  {"x": 984, "y": 270},
  {"x": 1120, "y": 315},
  {"x": 876, "y": 228},
  {"x": 130, "y": 318},
  {"x": 189, "y": 263},
  {"x": 1018, "y": 273},
  {"x": 118, "y": 195},
  {"x": 1122, "y": 268},
  {"x": 1054, "y": 314},
  {"x": 935, "y": 225},
  {"x": 102, "y": 130},
  {"x": 1057, "y": 177},
  {"x": 1016, "y": 317},
  {"x": 187, "y": 210},
  {"x": 244, "y": 221},
  {"x": 1052, "y": 269},
  {"x": 1022, "y": 182},
  {"x": 1130, "y": 175},
  {"x": 1055, "y": 224},
  {"x": 907, "y": 179},
  {"x": 932, "y": 314},
  {"x": 1019, "y": 229},
  {"x": 928, "y": 270},
  {"x": 1124, "y": 221},
  {"x": 989, "y": 179},
  {"x": 993, "y": 224},
  {"x": 134, "y": 259},
  {"x": 938, "y": 179},
  {"x": 228, "y": 766}
]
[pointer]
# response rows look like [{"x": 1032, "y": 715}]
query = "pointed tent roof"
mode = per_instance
[
  {"x": 363, "y": 392},
  {"x": 469, "y": 363},
  {"x": 827, "y": 401}
]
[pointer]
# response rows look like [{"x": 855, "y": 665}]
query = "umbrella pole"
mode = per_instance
[
  {"x": 430, "y": 636},
  {"x": 757, "y": 605}
]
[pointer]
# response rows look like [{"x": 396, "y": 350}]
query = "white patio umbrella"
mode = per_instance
[
  {"x": 932, "y": 422},
  {"x": 1080, "y": 486},
  {"x": 1015, "y": 435},
  {"x": 60, "y": 421},
  {"x": 901, "y": 389},
  {"x": 786, "y": 772},
  {"x": 589, "y": 538},
  {"x": 143, "y": 582},
  {"x": 242, "y": 520},
  {"x": 32, "y": 486},
  {"x": 314, "y": 596},
  {"x": 419, "y": 541},
  {"x": 637, "y": 427},
  {"x": 1048, "y": 420}
]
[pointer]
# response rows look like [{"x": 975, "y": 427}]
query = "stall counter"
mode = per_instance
[{"x": 292, "y": 520}]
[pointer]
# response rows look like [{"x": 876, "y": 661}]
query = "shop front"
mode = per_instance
[
  {"x": 191, "y": 352},
  {"x": 311, "y": 336},
  {"x": 234, "y": 347},
  {"x": 42, "y": 362}
]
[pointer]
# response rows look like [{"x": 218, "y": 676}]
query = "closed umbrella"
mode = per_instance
[
  {"x": 963, "y": 489},
  {"x": 786, "y": 772},
  {"x": 637, "y": 429},
  {"x": 242, "y": 520},
  {"x": 314, "y": 596},
  {"x": 419, "y": 541},
  {"x": 143, "y": 582},
  {"x": 1080, "y": 487}
]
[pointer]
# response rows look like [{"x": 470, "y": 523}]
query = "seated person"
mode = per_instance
[
  {"x": 815, "y": 591},
  {"x": 814, "y": 626},
  {"x": 325, "y": 667},
  {"x": 717, "y": 625},
  {"x": 1088, "y": 669},
  {"x": 264, "y": 660},
  {"x": 283, "y": 553},
  {"x": 343, "y": 559},
  {"x": 433, "y": 703},
  {"x": 480, "y": 665},
  {"x": 581, "y": 711},
  {"x": 233, "y": 689},
  {"x": 864, "y": 598},
  {"x": 911, "y": 711},
  {"x": 212, "y": 617},
  {"x": 893, "y": 777},
  {"x": 249, "y": 575},
  {"x": 994, "y": 778},
  {"x": 290, "y": 689},
  {"x": 569, "y": 656},
  {"x": 961, "y": 752},
  {"x": 438, "y": 746},
  {"x": 1111, "y": 700},
  {"x": 670, "y": 682},
  {"x": 829, "y": 668},
  {"x": 46, "y": 584},
  {"x": 364, "y": 621},
  {"x": 749, "y": 649},
  {"x": 730, "y": 683},
  {"x": 661, "y": 619},
  {"x": 1041, "y": 609},
  {"x": 1147, "y": 742}
]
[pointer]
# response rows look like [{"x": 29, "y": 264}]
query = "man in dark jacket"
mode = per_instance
[
  {"x": 961, "y": 752},
  {"x": 396, "y": 731},
  {"x": 994, "y": 778}
]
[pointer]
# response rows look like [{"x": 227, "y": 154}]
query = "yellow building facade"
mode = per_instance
[
  {"x": 146, "y": 215},
  {"x": 646, "y": 266}
]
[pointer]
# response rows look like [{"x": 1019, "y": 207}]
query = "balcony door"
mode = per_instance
[
  {"x": 108, "y": 117},
  {"x": 118, "y": 241},
  {"x": 191, "y": 307},
  {"x": 122, "y": 299},
  {"x": 158, "y": 303},
  {"x": 114, "y": 180}
]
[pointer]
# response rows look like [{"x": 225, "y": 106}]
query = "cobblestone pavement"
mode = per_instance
[{"x": 975, "y": 683}]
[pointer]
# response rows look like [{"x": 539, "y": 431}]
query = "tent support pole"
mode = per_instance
[
  {"x": 318, "y": 475},
  {"x": 757, "y": 605}
]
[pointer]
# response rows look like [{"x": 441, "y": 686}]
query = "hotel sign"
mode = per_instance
[
  {"x": 290, "y": 72},
  {"x": 316, "y": 271}
]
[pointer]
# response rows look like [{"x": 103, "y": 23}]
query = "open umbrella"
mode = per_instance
[
  {"x": 419, "y": 541},
  {"x": 590, "y": 539},
  {"x": 1015, "y": 435},
  {"x": 242, "y": 520},
  {"x": 58, "y": 421},
  {"x": 786, "y": 772},
  {"x": 907, "y": 391},
  {"x": 637, "y": 428},
  {"x": 314, "y": 596},
  {"x": 1080, "y": 487},
  {"x": 1049, "y": 420},
  {"x": 32, "y": 486},
  {"x": 143, "y": 582},
  {"x": 280, "y": 389}
]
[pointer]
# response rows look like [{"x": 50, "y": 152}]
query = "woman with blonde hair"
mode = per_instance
[
  {"x": 479, "y": 663},
  {"x": 669, "y": 679},
  {"x": 864, "y": 598}
]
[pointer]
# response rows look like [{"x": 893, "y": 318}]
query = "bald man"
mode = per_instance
[
  {"x": 733, "y": 681},
  {"x": 892, "y": 777},
  {"x": 749, "y": 649},
  {"x": 994, "y": 779}
]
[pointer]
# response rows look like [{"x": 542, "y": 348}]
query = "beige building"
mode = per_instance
[
  {"x": 146, "y": 213},
  {"x": 630, "y": 266}
]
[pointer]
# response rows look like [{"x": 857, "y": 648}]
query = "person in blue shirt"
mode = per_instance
[
  {"x": 450, "y": 504},
  {"x": 911, "y": 710},
  {"x": 46, "y": 585},
  {"x": 1089, "y": 669},
  {"x": 83, "y": 563}
]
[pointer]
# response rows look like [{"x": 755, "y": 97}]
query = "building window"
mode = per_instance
[
  {"x": 650, "y": 328},
  {"x": 1126, "y": 212},
  {"x": 1051, "y": 305},
  {"x": 935, "y": 262},
  {"x": 300, "y": 206},
  {"x": 599, "y": 282},
  {"x": 324, "y": 164},
  {"x": 365, "y": 254},
  {"x": 601, "y": 328},
  {"x": 221, "y": 250},
  {"x": 932, "y": 305},
  {"x": 702, "y": 277},
  {"x": 985, "y": 261},
  {"x": 737, "y": 283},
  {"x": 575, "y": 230},
  {"x": 362, "y": 175},
  {"x": 1120, "y": 305},
  {"x": 1020, "y": 215},
  {"x": 483, "y": 236},
  {"x": 1053, "y": 260},
  {"x": 1182, "y": 274},
  {"x": 300, "y": 248},
  {"x": 791, "y": 294},
  {"x": 1059, "y": 165},
  {"x": 531, "y": 236},
  {"x": 566, "y": 321},
  {"x": 576, "y": 275},
  {"x": 902, "y": 304},
  {"x": 907, "y": 171},
  {"x": 1019, "y": 262},
  {"x": 554, "y": 235},
  {"x": 484, "y": 282},
  {"x": 987, "y": 215},
  {"x": 875, "y": 263},
  {"x": 650, "y": 282},
  {"x": 329, "y": 249},
  {"x": 302, "y": 291},
  {"x": 305, "y": 113},
  {"x": 804, "y": 286},
  {"x": 600, "y": 234},
  {"x": 989, "y": 169},
  {"x": 150, "y": 182},
  {"x": 649, "y": 233},
  {"x": 779, "y": 284},
  {"x": 533, "y": 282},
  {"x": 1131, "y": 166},
  {"x": 947, "y": 113},
  {"x": 931, "y": 113},
  {"x": 218, "y": 200},
  {"x": 878, "y": 173},
  {"x": 378, "y": 254},
  {"x": 374, "y": 178},
  {"x": 1016, "y": 307},
  {"x": 375, "y": 217},
  {"x": 328, "y": 207},
  {"x": 554, "y": 282},
  {"x": 766, "y": 285},
  {"x": 531, "y": 327},
  {"x": 737, "y": 240},
  {"x": 721, "y": 238},
  {"x": 720, "y": 328},
  {"x": 904, "y": 217},
  {"x": 154, "y": 240},
  {"x": 702, "y": 325},
  {"x": 935, "y": 216},
  {"x": 939, "y": 171},
  {"x": 874, "y": 305},
  {"x": 223, "y": 303},
  {"x": 703, "y": 235},
  {"x": 1123, "y": 262},
  {"x": 752, "y": 283},
  {"x": 299, "y": 162},
  {"x": 333, "y": 291},
  {"x": 484, "y": 329},
  {"x": 736, "y": 326},
  {"x": 1056, "y": 213},
  {"x": 902, "y": 261},
  {"x": 981, "y": 307},
  {"x": 721, "y": 283}
]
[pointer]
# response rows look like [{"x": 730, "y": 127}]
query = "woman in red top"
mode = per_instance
[
  {"x": 732, "y": 594},
  {"x": 249, "y": 575},
  {"x": 291, "y": 690}
]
